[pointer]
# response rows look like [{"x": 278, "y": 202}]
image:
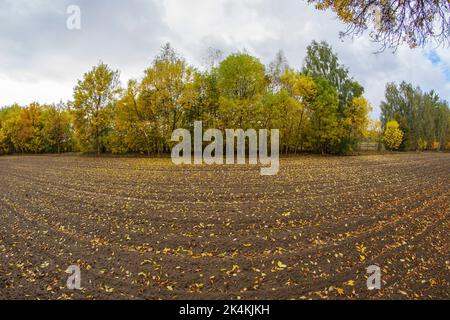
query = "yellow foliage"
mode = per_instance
[
  {"x": 393, "y": 136},
  {"x": 423, "y": 144},
  {"x": 436, "y": 145}
]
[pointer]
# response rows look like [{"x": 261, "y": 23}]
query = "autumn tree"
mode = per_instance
[
  {"x": 356, "y": 122},
  {"x": 168, "y": 90},
  {"x": 302, "y": 89},
  {"x": 393, "y": 136},
  {"x": 393, "y": 22},
  {"x": 9, "y": 126},
  {"x": 134, "y": 124},
  {"x": 24, "y": 129},
  {"x": 3, "y": 146},
  {"x": 318, "y": 109},
  {"x": 281, "y": 111},
  {"x": 242, "y": 84},
  {"x": 56, "y": 128},
  {"x": 374, "y": 132},
  {"x": 93, "y": 107}
]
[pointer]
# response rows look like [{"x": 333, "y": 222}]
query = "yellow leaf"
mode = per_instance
[
  {"x": 340, "y": 291},
  {"x": 361, "y": 249},
  {"x": 145, "y": 262},
  {"x": 108, "y": 289}
]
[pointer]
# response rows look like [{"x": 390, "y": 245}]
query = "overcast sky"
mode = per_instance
[{"x": 40, "y": 59}]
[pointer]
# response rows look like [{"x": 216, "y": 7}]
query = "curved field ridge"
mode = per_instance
[{"x": 146, "y": 229}]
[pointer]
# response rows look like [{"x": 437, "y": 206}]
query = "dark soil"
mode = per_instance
[{"x": 146, "y": 229}]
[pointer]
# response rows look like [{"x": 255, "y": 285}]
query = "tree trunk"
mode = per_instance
[{"x": 97, "y": 142}]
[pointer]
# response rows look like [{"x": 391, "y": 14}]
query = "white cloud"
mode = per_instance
[
  {"x": 235, "y": 22},
  {"x": 27, "y": 88}
]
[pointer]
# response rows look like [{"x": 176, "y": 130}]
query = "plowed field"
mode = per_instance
[{"x": 145, "y": 229}]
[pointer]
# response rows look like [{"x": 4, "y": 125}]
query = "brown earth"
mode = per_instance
[{"x": 146, "y": 229}]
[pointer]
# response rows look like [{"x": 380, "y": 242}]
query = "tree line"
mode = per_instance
[
  {"x": 422, "y": 117},
  {"x": 319, "y": 108}
]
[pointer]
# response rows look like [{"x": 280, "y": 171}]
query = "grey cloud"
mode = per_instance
[
  {"x": 34, "y": 39},
  {"x": 36, "y": 47}
]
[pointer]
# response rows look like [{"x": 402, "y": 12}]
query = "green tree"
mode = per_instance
[
  {"x": 242, "y": 84},
  {"x": 442, "y": 124},
  {"x": 322, "y": 62},
  {"x": 421, "y": 116},
  {"x": 325, "y": 131},
  {"x": 352, "y": 112},
  {"x": 208, "y": 98}
]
